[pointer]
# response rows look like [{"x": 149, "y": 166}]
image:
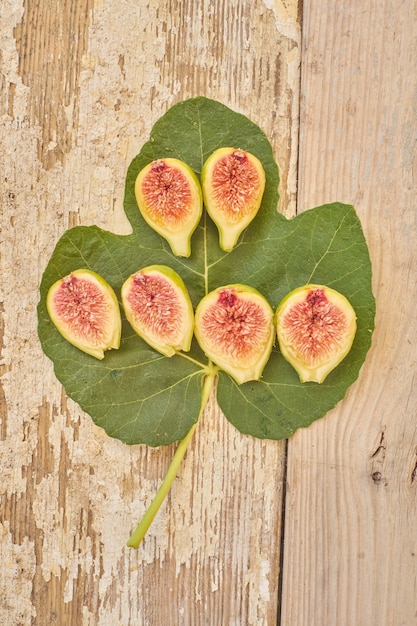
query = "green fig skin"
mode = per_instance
[
  {"x": 169, "y": 197},
  {"x": 85, "y": 310},
  {"x": 234, "y": 327},
  {"x": 316, "y": 326},
  {"x": 158, "y": 307},
  {"x": 233, "y": 183}
]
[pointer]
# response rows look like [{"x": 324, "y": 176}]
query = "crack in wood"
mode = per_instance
[
  {"x": 377, "y": 459},
  {"x": 414, "y": 473},
  {"x": 381, "y": 448}
]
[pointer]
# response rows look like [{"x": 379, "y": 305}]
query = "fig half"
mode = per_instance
[
  {"x": 159, "y": 309},
  {"x": 85, "y": 310},
  {"x": 234, "y": 326},
  {"x": 233, "y": 183},
  {"x": 170, "y": 200},
  {"x": 316, "y": 326}
]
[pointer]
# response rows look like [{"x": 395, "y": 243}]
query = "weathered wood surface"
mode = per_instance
[
  {"x": 350, "y": 547},
  {"x": 81, "y": 85}
]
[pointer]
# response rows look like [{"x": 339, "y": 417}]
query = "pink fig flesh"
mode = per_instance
[
  {"x": 84, "y": 309},
  {"x": 169, "y": 198},
  {"x": 316, "y": 326},
  {"x": 233, "y": 183},
  {"x": 159, "y": 309},
  {"x": 234, "y": 327}
]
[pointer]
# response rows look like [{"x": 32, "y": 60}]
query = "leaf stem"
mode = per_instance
[
  {"x": 142, "y": 528},
  {"x": 206, "y": 284},
  {"x": 189, "y": 358}
]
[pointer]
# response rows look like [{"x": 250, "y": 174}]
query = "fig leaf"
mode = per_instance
[{"x": 139, "y": 396}]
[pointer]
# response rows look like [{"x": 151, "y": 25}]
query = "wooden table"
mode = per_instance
[{"x": 316, "y": 531}]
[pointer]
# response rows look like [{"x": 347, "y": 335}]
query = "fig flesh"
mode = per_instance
[
  {"x": 233, "y": 183},
  {"x": 316, "y": 327},
  {"x": 85, "y": 310},
  {"x": 159, "y": 309},
  {"x": 234, "y": 327},
  {"x": 170, "y": 200}
]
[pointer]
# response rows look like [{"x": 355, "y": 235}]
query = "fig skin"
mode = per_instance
[
  {"x": 233, "y": 183},
  {"x": 85, "y": 310},
  {"x": 234, "y": 327},
  {"x": 316, "y": 326},
  {"x": 159, "y": 309},
  {"x": 169, "y": 197}
]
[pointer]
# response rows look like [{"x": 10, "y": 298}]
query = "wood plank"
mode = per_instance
[
  {"x": 82, "y": 84},
  {"x": 350, "y": 552}
]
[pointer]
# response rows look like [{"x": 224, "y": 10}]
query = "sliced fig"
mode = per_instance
[
  {"x": 233, "y": 183},
  {"x": 316, "y": 326},
  {"x": 159, "y": 309},
  {"x": 85, "y": 310},
  {"x": 170, "y": 200},
  {"x": 234, "y": 326}
]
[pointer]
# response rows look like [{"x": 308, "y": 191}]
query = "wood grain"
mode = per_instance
[
  {"x": 50, "y": 67},
  {"x": 82, "y": 84},
  {"x": 350, "y": 546}
]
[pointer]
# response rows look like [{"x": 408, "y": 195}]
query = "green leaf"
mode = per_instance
[
  {"x": 324, "y": 246},
  {"x": 139, "y": 396}
]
